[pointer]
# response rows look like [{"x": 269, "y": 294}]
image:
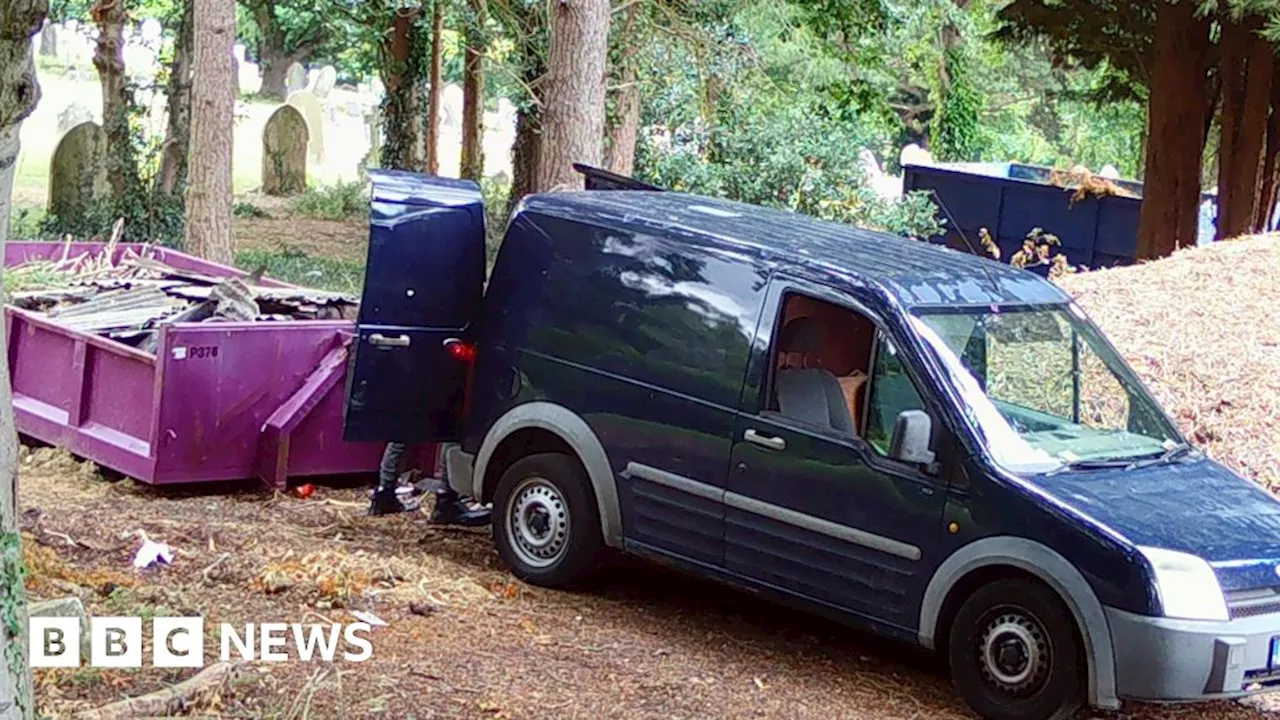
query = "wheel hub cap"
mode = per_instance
[
  {"x": 538, "y": 522},
  {"x": 1015, "y": 653}
]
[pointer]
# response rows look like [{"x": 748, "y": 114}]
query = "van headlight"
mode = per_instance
[{"x": 1187, "y": 586}]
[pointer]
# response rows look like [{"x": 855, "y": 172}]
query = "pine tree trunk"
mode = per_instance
[
  {"x": 525, "y": 152},
  {"x": 1270, "y": 159},
  {"x": 213, "y": 96},
  {"x": 472, "y": 163},
  {"x": 19, "y": 93},
  {"x": 110, "y": 17},
  {"x": 622, "y": 133},
  {"x": 274, "y": 66},
  {"x": 573, "y": 120},
  {"x": 433, "y": 100},
  {"x": 172, "y": 175},
  {"x": 1171, "y": 186},
  {"x": 1247, "y": 62}
]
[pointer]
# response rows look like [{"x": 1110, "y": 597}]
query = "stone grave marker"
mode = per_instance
[
  {"x": 451, "y": 105},
  {"x": 78, "y": 172},
  {"x": 284, "y": 152},
  {"x": 307, "y": 104},
  {"x": 325, "y": 80},
  {"x": 295, "y": 79}
]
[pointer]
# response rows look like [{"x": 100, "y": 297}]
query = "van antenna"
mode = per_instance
[{"x": 968, "y": 243}]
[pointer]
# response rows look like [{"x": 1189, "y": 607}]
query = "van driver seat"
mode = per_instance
[{"x": 813, "y": 394}]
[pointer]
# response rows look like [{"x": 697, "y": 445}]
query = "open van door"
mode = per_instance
[{"x": 423, "y": 284}]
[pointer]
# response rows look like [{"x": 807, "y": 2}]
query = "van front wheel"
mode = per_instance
[
  {"x": 1014, "y": 655},
  {"x": 546, "y": 524}
]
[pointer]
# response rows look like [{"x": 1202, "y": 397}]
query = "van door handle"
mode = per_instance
[
  {"x": 383, "y": 341},
  {"x": 765, "y": 441}
]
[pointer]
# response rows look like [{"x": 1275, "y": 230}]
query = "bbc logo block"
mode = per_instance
[{"x": 179, "y": 642}]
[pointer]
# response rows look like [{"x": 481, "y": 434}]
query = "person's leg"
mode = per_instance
[
  {"x": 454, "y": 509},
  {"x": 385, "y": 501}
]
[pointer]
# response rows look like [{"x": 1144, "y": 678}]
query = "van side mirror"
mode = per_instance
[{"x": 910, "y": 442}]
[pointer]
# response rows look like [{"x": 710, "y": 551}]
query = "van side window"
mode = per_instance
[
  {"x": 821, "y": 360},
  {"x": 892, "y": 392}
]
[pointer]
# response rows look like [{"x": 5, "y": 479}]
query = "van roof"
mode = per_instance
[{"x": 911, "y": 271}]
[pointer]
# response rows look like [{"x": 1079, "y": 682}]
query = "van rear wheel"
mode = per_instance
[
  {"x": 546, "y": 524},
  {"x": 1014, "y": 655}
]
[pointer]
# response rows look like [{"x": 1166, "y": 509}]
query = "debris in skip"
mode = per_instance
[{"x": 130, "y": 295}]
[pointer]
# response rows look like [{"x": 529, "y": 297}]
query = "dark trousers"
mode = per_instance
[{"x": 394, "y": 460}]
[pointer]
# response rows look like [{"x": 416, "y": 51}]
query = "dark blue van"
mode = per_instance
[{"x": 931, "y": 445}]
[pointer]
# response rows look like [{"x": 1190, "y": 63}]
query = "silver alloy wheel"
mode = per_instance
[
  {"x": 1015, "y": 652},
  {"x": 537, "y": 522}
]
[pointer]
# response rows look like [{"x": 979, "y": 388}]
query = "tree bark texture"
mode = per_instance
[
  {"x": 573, "y": 120},
  {"x": 110, "y": 17},
  {"x": 622, "y": 133},
  {"x": 471, "y": 166},
  {"x": 172, "y": 175},
  {"x": 1270, "y": 159},
  {"x": 1246, "y": 67},
  {"x": 402, "y": 147},
  {"x": 213, "y": 95},
  {"x": 1171, "y": 187},
  {"x": 19, "y": 93},
  {"x": 433, "y": 100}
]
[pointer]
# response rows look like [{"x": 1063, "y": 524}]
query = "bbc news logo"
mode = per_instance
[{"x": 179, "y": 642}]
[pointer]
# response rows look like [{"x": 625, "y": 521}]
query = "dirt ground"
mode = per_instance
[{"x": 463, "y": 640}]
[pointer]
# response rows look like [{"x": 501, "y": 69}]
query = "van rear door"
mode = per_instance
[{"x": 424, "y": 280}]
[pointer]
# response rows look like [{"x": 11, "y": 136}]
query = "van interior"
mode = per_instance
[{"x": 822, "y": 359}]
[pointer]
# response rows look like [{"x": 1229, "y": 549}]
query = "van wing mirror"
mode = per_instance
[{"x": 911, "y": 435}]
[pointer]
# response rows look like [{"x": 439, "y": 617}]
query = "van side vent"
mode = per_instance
[{"x": 1251, "y": 603}]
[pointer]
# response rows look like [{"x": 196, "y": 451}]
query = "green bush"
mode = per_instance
[
  {"x": 27, "y": 224},
  {"x": 249, "y": 210},
  {"x": 342, "y": 201},
  {"x": 291, "y": 265}
]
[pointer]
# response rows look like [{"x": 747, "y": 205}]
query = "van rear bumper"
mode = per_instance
[{"x": 1161, "y": 659}]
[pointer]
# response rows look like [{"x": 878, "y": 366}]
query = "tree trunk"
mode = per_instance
[
  {"x": 402, "y": 143},
  {"x": 19, "y": 93},
  {"x": 433, "y": 100},
  {"x": 1247, "y": 62},
  {"x": 472, "y": 164},
  {"x": 274, "y": 66},
  {"x": 172, "y": 175},
  {"x": 622, "y": 133},
  {"x": 1271, "y": 160},
  {"x": 573, "y": 120},
  {"x": 1171, "y": 188},
  {"x": 525, "y": 152},
  {"x": 110, "y": 17},
  {"x": 213, "y": 98}
]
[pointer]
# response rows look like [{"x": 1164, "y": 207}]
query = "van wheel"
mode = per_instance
[
  {"x": 1014, "y": 655},
  {"x": 546, "y": 524}
]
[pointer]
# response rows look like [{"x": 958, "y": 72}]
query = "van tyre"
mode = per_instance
[
  {"x": 1014, "y": 654},
  {"x": 545, "y": 520}
]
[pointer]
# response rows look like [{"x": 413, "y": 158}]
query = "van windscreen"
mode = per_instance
[{"x": 1044, "y": 388}]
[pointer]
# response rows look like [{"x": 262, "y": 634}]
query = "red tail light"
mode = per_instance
[{"x": 460, "y": 350}]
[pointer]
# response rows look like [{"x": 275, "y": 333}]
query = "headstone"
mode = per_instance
[
  {"x": 309, "y": 106},
  {"x": 295, "y": 79},
  {"x": 1110, "y": 172},
  {"x": 49, "y": 39},
  {"x": 284, "y": 152},
  {"x": 913, "y": 154},
  {"x": 325, "y": 80},
  {"x": 78, "y": 172},
  {"x": 451, "y": 105},
  {"x": 73, "y": 115}
]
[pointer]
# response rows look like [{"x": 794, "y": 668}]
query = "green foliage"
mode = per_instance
[
  {"x": 292, "y": 265},
  {"x": 340, "y": 201},
  {"x": 27, "y": 224},
  {"x": 13, "y": 598},
  {"x": 244, "y": 209},
  {"x": 955, "y": 136},
  {"x": 496, "y": 208}
]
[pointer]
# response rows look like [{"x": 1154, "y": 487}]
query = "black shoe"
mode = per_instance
[
  {"x": 386, "y": 502},
  {"x": 456, "y": 511}
]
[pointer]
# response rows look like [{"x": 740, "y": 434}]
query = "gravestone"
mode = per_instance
[
  {"x": 78, "y": 172},
  {"x": 309, "y": 106},
  {"x": 295, "y": 79},
  {"x": 451, "y": 105},
  {"x": 73, "y": 115},
  {"x": 49, "y": 39},
  {"x": 284, "y": 152},
  {"x": 325, "y": 80}
]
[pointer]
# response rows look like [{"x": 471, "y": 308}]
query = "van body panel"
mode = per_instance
[
  {"x": 424, "y": 281},
  {"x": 644, "y": 337}
]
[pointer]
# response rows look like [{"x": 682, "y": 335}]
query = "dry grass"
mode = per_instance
[{"x": 1202, "y": 328}]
